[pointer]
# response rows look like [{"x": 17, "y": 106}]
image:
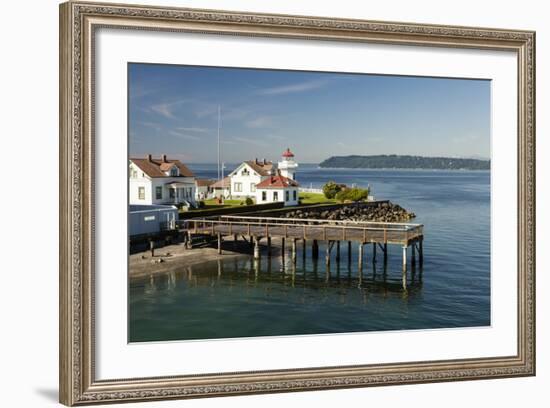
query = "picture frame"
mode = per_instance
[{"x": 79, "y": 22}]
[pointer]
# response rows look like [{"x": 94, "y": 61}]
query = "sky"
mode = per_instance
[{"x": 173, "y": 110}]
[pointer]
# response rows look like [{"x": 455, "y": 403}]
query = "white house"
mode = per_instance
[
  {"x": 247, "y": 175},
  {"x": 277, "y": 188},
  {"x": 161, "y": 181}
]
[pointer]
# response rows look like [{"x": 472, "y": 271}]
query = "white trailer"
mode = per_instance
[{"x": 151, "y": 219}]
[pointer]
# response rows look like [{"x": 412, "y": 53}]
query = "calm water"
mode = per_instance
[{"x": 235, "y": 299}]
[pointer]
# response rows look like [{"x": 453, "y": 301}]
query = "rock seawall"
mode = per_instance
[{"x": 382, "y": 212}]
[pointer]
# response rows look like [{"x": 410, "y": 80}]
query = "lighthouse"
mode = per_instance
[{"x": 287, "y": 166}]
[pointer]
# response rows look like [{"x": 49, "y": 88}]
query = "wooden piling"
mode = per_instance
[
  {"x": 327, "y": 253},
  {"x": 349, "y": 254},
  {"x": 283, "y": 247},
  {"x": 269, "y": 246},
  {"x": 374, "y": 252},
  {"x": 304, "y": 249},
  {"x": 294, "y": 250},
  {"x": 219, "y": 243},
  {"x": 385, "y": 253},
  {"x": 256, "y": 248},
  {"x": 413, "y": 255},
  {"x": 420, "y": 252},
  {"x": 315, "y": 249},
  {"x": 360, "y": 255},
  {"x": 404, "y": 272}
]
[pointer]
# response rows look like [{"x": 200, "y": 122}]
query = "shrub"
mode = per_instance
[
  {"x": 249, "y": 201},
  {"x": 202, "y": 204},
  {"x": 353, "y": 194},
  {"x": 330, "y": 189}
]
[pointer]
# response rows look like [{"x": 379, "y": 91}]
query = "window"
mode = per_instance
[
  {"x": 238, "y": 187},
  {"x": 133, "y": 173},
  {"x": 294, "y": 195},
  {"x": 174, "y": 171},
  {"x": 264, "y": 195},
  {"x": 253, "y": 187},
  {"x": 158, "y": 192},
  {"x": 287, "y": 195},
  {"x": 141, "y": 193},
  {"x": 172, "y": 193},
  {"x": 275, "y": 196},
  {"x": 245, "y": 172}
]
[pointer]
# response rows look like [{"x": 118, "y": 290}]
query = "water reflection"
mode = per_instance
[{"x": 311, "y": 275}]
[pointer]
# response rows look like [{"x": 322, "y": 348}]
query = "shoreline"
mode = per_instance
[{"x": 175, "y": 256}]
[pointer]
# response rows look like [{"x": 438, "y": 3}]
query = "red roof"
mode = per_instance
[
  {"x": 288, "y": 153},
  {"x": 277, "y": 181}
]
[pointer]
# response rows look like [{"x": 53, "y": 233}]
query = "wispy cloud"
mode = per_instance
[
  {"x": 194, "y": 129},
  {"x": 252, "y": 141},
  {"x": 294, "y": 88},
  {"x": 183, "y": 135},
  {"x": 259, "y": 122},
  {"x": 167, "y": 109}
]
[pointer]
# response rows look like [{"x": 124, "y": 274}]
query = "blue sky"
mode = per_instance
[{"x": 174, "y": 110}]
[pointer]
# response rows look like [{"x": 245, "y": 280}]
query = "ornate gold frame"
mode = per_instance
[{"x": 77, "y": 24}]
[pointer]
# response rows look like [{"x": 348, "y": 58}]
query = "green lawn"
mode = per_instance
[
  {"x": 315, "y": 198},
  {"x": 213, "y": 203}
]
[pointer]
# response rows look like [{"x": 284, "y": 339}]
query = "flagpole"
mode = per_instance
[{"x": 219, "y": 115}]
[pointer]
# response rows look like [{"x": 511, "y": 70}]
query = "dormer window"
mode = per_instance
[{"x": 174, "y": 171}]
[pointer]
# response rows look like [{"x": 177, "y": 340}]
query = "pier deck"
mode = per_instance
[
  {"x": 333, "y": 232},
  {"x": 404, "y": 234}
]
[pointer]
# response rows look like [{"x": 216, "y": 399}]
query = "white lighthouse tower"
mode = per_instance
[{"x": 287, "y": 165}]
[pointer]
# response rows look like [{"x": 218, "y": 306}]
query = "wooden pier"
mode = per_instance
[{"x": 332, "y": 232}]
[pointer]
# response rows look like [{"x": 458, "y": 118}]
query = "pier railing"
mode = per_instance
[{"x": 316, "y": 229}]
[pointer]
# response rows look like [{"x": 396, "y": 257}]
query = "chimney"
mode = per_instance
[
  {"x": 164, "y": 159},
  {"x": 264, "y": 161},
  {"x": 256, "y": 160},
  {"x": 149, "y": 158}
]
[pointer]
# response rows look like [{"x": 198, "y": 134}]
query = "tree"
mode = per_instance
[
  {"x": 330, "y": 189},
  {"x": 249, "y": 201},
  {"x": 353, "y": 194}
]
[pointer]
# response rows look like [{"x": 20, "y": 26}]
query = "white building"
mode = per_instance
[
  {"x": 287, "y": 165},
  {"x": 161, "y": 181},
  {"x": 277, "y": 188},
  {"x": 247, "y": 176},
  {"x": 222, "y": 188},
  {"x": 151, "y": 219},
  {"x": 204, "y": 189}
]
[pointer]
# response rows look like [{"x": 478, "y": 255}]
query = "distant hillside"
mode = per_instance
[{"x": 394, "y": 161}]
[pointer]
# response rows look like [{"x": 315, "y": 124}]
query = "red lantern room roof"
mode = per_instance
[{"x": 288, "y": 153}]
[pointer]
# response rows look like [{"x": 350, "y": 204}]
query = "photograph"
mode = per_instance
[{"x": 267, "y": 202}]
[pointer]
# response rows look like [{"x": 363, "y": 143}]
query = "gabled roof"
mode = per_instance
[
  {"x": 156, "y": 167},
  {"x": 225, "y": 183},
  {"x": 204, "y": 182},
  {"x": 277, "y": 181},
  {"x": 166, "y": 166},
  {"x": 262, "y": 167}
]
